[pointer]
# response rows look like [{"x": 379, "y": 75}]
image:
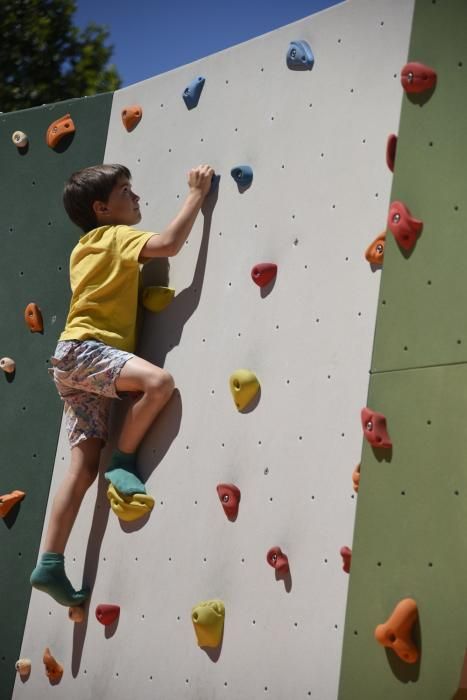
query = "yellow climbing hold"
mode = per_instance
[
  {"x": 129, "y": 508},
  {"x": 208, "y": 621},
  {"x": 157, "y": 298},
  {"x": 244, "y": 386}
]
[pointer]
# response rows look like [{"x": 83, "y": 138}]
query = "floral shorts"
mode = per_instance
[{"x": 84, "y": 372}]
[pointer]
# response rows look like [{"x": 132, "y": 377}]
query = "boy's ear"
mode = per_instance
[{"x": 100, "y": 208}]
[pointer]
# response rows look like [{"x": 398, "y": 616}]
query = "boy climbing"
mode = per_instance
[{"x": 94, "y": 359}]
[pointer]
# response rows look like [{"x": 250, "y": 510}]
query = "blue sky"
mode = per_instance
[{"x": 151, "y": 37}]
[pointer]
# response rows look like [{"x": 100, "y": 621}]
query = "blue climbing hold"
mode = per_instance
[
  {"x": 243, "y": 176},
  {"x": 192, "y": 92},
  {"x": 300, "y": 56}
]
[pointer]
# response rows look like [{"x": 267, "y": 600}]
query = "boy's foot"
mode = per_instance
[
  {"x": 49, "y": 576},
  {"x": 122, "y": 474}
]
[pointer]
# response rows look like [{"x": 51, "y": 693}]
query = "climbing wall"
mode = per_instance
[
  {"x": 315, "y": 141},
  {"x": 412, "y": 504}
]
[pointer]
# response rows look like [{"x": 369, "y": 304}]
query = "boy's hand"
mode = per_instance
[{"x": 199, "y": 179}]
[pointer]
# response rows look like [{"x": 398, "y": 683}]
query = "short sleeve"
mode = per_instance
[{"x": 129, "y": 242}]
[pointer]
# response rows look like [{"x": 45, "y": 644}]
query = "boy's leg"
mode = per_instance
[
  {"x": 155, "y": 387},
  {"x": 49, "y": 575}
]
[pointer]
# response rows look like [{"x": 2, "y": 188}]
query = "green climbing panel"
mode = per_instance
[
  {"x": 423, "y": 297},
  {"x": 37, "y": 239},
  {"x": 410, "y": 536}
]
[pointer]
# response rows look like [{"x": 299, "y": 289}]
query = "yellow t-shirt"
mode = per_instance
[{"x": 105, "y": 282}]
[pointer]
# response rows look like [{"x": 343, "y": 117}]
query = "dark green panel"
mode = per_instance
[
  {"x": 37, "y": 239},
  {"x": 410, "y": 538},
  {"x": 423, "y": 298}
]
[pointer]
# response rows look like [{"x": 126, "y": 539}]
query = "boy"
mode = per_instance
[{"x": 94, "y": 358}]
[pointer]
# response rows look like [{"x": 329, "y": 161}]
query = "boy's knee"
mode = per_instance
[{"x": 162, "y": 383}]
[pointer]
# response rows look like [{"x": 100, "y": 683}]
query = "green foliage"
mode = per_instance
[{"x": 44, "y": 58}]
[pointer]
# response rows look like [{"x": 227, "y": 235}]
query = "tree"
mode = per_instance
[{"x": 44, "y": 58}]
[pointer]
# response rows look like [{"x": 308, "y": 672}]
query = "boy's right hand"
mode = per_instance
[{"x": 199, "y": 179}]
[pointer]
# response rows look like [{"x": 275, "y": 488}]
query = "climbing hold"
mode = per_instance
[
  {"x": 9, "y": 500},
  {"x": 129, "y": 508},
  {"x": 346, "y": 554},
  {"x": 229, "y": 496},
  {"x": 76, "y": 613},
  {"x": 7, "y": 364},
  {"x": 416, "y": 77},
  {"x": 278, "y": 560},
  {"x": 243, "y": 176},
  {"x": 396, "y": 632},
  {"x": 192, "y": 92},
  {"x": 131, "y": 116},
  {"x": 208, "y": 621},
  {"x": 53, "y": 670},
  {"x": 375, "y": 251},
  {"x": 58, "y": 129},
  {"x": 107, "y": 614},
  {"x": 23, "y": 666},
  {"x": 33, "y": 318},
  {"x": 374, "y": 428},
  {"x": 300, "y": 56},
  {"x": 263, "y": 273},
  {"x": 244, "y": 386},
  {"x": 356, "y": 478},
  {"x": 403, "y": 226},
  {"x": 391, "y": 148},
  {"x": 157, "y": 298},
  {"x": 20, "y": 139}
]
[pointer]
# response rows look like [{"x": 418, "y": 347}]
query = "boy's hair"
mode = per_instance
[{"x": 88, "y": 186}]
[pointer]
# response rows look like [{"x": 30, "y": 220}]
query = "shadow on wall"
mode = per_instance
[{"x": 160, "y": 333}]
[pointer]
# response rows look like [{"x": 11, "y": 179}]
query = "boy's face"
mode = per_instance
[{"x": 121, "y": 208}]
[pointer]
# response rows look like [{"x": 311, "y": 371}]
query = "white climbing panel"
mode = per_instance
[{"x": 316, "y": 143}]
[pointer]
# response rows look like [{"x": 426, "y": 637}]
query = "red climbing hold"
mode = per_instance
[
  {"x": 263, "y": 273},
  {"x": 403, "y": 226},
  {"x": 229, "y": 496},
  {"x": 391, "y": 147},
  {"x": 106, "y": 614},
  {"x": 416, "y": 77},
  {"x": 278, "y": 560},
  {"x": 346, "y": 554},
  {"x": 374, "y": 428}
]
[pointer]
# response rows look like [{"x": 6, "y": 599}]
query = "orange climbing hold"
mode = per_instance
[
  {"x": 9, "y": 500},
  {"x": 76, "y": 613},
  {"x": 396, "y": 632},
  {"x": 53, "y": 670},
  {"x": 58, "y": 129},
  {"x": 356, "y": 478},
  {"x": 375, "y": 251},
  {"x": 33, "y": 318},
  {"x": 131, "y": 116}
]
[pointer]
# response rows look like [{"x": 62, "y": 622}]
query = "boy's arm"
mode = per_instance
[{"x": 169, "y": 242}]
